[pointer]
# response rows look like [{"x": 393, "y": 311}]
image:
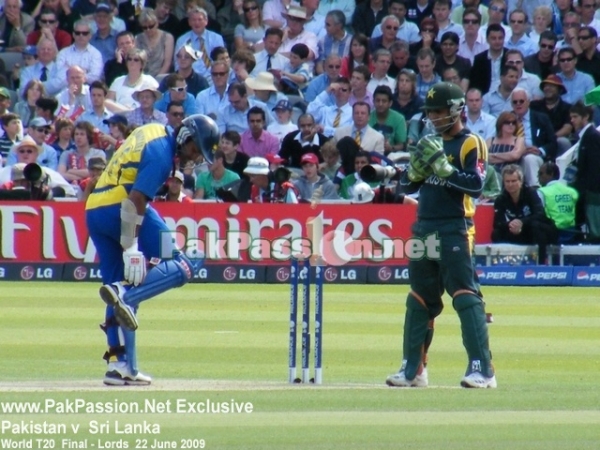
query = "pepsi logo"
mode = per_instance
[
  {"x": 27, "y": 273},
  {"x": 283, "y": 274},
  {"x": 384, "y": 273},
  {"x": 480, "y": 273},
  {"x": 529, "y": 274},
  {"x": 583, "y": 275},
  {"x": 230, "y": 273},
  {"x": 80, "y": 273},
  {"x": 331, "y": 274}
]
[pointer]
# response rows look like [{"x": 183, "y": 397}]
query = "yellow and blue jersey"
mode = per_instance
[{"x": 143, "y": 162}]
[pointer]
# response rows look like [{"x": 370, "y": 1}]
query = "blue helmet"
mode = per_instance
[{"x": 204, "y": 132}]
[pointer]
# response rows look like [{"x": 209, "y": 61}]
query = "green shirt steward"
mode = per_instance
[{"x": 559, "y": 203}]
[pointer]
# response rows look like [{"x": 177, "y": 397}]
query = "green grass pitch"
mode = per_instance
[{"x": 228, "y": 344}]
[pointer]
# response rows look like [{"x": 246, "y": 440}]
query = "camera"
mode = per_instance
[
  {"x": 281, "y": 175},
  {"x": 38, "y": 180},
  {"x": 37, "y": 187},
  {"x": 380, "y": 174}
]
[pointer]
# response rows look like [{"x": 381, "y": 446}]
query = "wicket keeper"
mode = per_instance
[
  {"x": 129, "y": 234},
  {"x": 449, "y": 168}
]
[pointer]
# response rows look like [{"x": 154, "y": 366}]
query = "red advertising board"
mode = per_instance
[{"x": 41, "y": 232}]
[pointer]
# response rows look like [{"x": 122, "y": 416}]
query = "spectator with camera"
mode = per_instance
[
  {"x": 361, "y": 159},
  {"x": 269, "y": 187},
  {"x": 27, "y": 152}
]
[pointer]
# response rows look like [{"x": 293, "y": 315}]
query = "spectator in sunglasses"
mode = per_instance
[
  {"x": 177, "y": 92},
  {"x": 46, "y": 156},
  {"x": 81, "y": 53},
  {"x": 48, "y": 23}
]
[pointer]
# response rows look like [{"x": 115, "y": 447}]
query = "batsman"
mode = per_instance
[
  {"x": 449, "y": 168},
  {"x": 137, "y": 257}
]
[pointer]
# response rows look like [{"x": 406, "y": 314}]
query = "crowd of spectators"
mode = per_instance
[{"x": 318, "y": 87}]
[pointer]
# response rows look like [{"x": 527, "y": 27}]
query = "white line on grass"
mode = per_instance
[{"x": 183, "y": 385}]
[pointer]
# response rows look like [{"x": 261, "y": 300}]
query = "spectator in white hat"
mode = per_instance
[
  {"x": 264, "y": 89},
  {"x": 186, "y": 56},
  {"x": 145, "y": 113},
  {"x": 264, "y": 188}
]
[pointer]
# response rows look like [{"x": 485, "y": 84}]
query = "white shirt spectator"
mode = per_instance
[
  {"x": 484, "y": 126},
  {"x": 385, "y": 81},
  {"x": 55, "y": 180},
  {"x": 281, "y": 130},
  {"x": 278, "y": 61},
  {"x": 408, "y": 32},
  {"x": 90, "y": 60},
  {"x": 531, "y": 83},
  {"x": 480, "y": 45},
  {"x": 209, "y": 101},
  {"x": 82, "y": 99},
  {"x": 124, "y": 92}
]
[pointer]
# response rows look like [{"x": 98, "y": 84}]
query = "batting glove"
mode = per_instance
[
  {"x": 134, "y": 265},
  {"x": 431, "y": 150}
]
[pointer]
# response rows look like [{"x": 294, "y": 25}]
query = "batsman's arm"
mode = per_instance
[
  {"x": 133, "y": 209},
  {"x": 407, "y": 186},
  {"x": 470, "y": 179}
]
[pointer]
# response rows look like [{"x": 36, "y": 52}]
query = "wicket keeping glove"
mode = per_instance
[
  {"x": 134, "y": 265},
  {"x": 418, "y": 170},
  {"x": 430, "y": 149}
]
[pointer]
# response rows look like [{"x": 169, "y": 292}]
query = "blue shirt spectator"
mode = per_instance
[
  {"x": 189, "y": 103},
  {"x": 235, "y": 118},
  {"x": 200, "y": 39}
]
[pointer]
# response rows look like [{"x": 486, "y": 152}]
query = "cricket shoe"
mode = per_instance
[
  {"x": 112, "y": 294},
  {"x": 399, "y": 379},
  {"x": 477, "y": 380},
  {"x": 119, "y": 374}
]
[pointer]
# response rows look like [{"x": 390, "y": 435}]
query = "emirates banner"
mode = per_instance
[{"x": 234, "y": 234}]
